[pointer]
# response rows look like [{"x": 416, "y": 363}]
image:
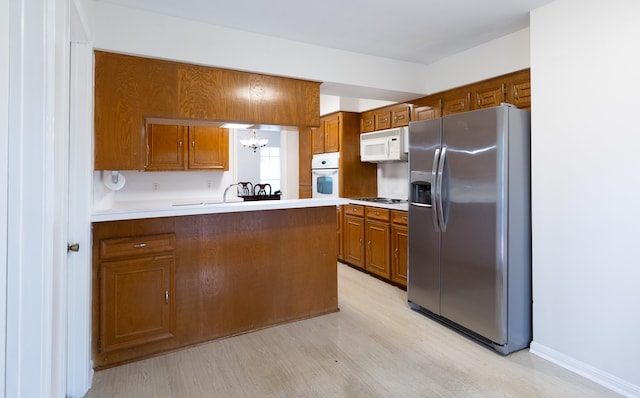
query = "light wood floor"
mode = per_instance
[{"x": 374, "y": 347}]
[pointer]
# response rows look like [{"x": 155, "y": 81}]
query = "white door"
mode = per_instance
[{"x": 79, "y": 372}]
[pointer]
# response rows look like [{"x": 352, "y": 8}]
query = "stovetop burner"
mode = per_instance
[{"x": 383, "y": 200}]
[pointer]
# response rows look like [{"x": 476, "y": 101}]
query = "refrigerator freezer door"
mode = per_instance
[
  {"x": 473, "y": 273},
  {"x": 423, "y": 286}
]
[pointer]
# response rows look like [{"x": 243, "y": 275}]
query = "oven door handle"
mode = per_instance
[{"x": 326, "y": 172}]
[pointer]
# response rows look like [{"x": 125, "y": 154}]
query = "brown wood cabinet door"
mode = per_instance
[
  {"x": 400, "y": 117},
  {"x": 353, "y": 243},
  {"x": 399, "y": 242},
  {"x": 377, "y": 254},
  {"x": 137, "y": 304},
  {"x": 366, "y": 122},
  {"x": 428, "y": 111},
  {"x": 382, "y": 119},
  {"x": 317, "y": 139},
  {"x": 208, "y": 147},
  {"x": 165, "y": 147},
  {"x": 488, "y": 96},
  {"x": 332, "y": 133},
  {"x": 521, "y": 95},
  {"x": 456, "y": 103}
]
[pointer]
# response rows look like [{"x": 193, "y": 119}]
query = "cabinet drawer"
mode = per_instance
[
  {"x": 136, "y": 245},
  {"x": 399, "y": 217},
  {"x": 378, "y": 213},
  {"x": 354, "y": 210}
]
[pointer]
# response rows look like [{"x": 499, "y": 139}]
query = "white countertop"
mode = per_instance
[{"x": 155, "y": 209}]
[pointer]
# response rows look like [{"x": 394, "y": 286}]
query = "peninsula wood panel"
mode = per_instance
[
  {"x": 304, "y": 163},
  {"x": 234, "y": 273},
  {"x": 130, "y": 89}
]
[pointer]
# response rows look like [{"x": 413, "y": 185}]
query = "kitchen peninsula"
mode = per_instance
[{"x": 167, "y": 277}]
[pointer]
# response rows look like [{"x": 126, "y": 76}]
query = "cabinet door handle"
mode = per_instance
[
  {"x": 166, "y": 297},
  {"x": 360, "y": 242},
  {"x": 369, "y": 245},
  {"x": 193, "y": 144},
  {"x": 180, "y": 144},
  {"x": 139, "y": 245},
  {"x": 396, "y": 253}
]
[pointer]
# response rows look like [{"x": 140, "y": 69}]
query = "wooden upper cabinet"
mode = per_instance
[
  {"x": 513, "y": 88},
  {"x": 400, "y": 116},
  {"x": 208, "y": 148},
  {"x": 382, "y": 119},
  {"x": 165, "y": 147},
  {"x": 456, "y": 101},
  {"x": 488, "y": 95},
  {"x": 130, "y": 89},
  {"x": 430, "y": 109},
  {"x": 385, "y": 118},
  {"x": 519, "y": 89},
  {"x": 332, "y": 133},
  {"x": 366, "y": 122},
  {"x": 317, "y": 139},
  {"x": 326, "y": 138},
  {"x": 203, "y": 147}
]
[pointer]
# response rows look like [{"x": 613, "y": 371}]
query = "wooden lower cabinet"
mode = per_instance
[
  {"x": 399, "y": 247},
  {"x": 161, "y": 284},
  {"x": 377, "y": 237},
  {"x": 136, "y": 284},
  {"x": 353, "y": 243},
  {"x": 385, "y": 236},
  {"x": 377, "y": 255},
  {"x": 137, "y": 303}
]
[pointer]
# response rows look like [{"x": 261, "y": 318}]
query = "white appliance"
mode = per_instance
[
  {"x": 325, "y": 174},
  {"x": 389, "y": 145}
]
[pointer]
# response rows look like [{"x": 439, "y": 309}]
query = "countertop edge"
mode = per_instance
[{"x": 119, "y": 214}]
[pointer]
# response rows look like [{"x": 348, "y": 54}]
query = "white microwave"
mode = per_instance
[{"x": 385, "y": 145}]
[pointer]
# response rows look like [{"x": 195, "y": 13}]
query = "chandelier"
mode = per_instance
[{"x": 254, "y": 142}]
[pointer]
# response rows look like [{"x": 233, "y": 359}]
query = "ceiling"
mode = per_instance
[{"x": 419, "y": 31}]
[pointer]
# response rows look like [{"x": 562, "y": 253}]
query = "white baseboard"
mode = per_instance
[{"x": 583, "y": 369}]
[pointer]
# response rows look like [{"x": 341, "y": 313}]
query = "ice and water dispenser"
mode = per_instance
[{"x": 420, "y": 188}]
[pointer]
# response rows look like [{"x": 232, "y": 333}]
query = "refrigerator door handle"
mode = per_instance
[
  {"x": 434, "y": 184},
  {"x": 420, "y": 204},
  {"x": 440, "y": 215}
]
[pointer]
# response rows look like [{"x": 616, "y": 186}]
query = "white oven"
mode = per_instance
[{"x": 325, "y": 173}]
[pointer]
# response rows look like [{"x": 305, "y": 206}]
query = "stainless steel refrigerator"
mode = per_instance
[{"x": 469, "y": 224}]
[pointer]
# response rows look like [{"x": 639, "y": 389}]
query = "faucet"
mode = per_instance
[{"x": 224, "y": 195}]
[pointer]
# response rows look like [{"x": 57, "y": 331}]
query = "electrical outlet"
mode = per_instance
[{"x": 155, "y": 186}]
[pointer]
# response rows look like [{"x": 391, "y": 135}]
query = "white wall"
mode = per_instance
[
  {"x": 498, "y": 57},
  {"x": 585, "y": 68}
]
